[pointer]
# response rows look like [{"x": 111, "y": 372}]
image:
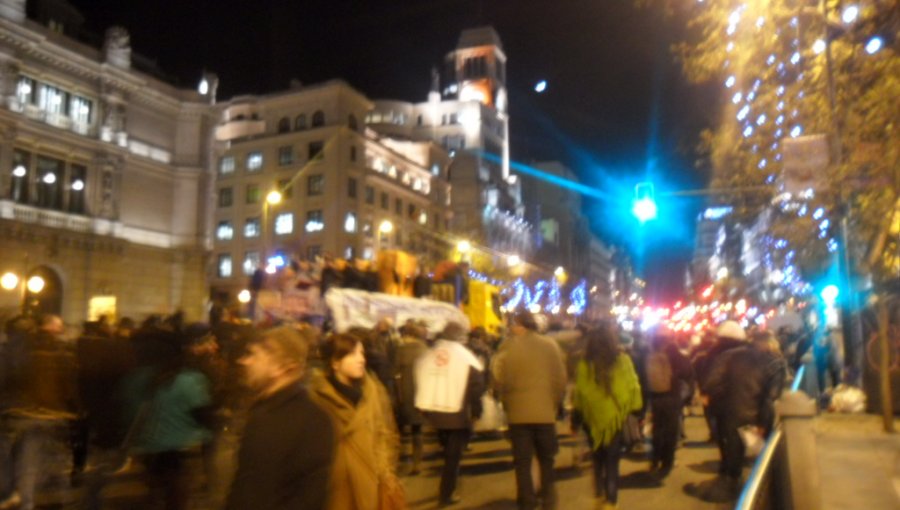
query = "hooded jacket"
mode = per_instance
[{"x": 367, "y": 442}]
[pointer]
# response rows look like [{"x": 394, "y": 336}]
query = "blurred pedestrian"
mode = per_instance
[
  {"x": 606, "y": 393},
  {"x": 288, "y": 447},
  {"x": 449, "y": 379},
  {"x": 411, "y": 348},
  {"x": 172, "y": 415},
  {"x": 367, "y": 438},
  {"x": 529, "y": 373},
  {"x": 742, "y": 385},
  {"x": 669, "y": 381}
]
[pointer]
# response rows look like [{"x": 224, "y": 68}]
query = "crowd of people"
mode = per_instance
[{"x": 334, "y": 420}]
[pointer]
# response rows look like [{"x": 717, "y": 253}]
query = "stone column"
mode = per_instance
[{"x": 797, "y": 411}]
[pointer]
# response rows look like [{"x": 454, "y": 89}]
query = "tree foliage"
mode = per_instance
[{"x": 775, "y": 84}]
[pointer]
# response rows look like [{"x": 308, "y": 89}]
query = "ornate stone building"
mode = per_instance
[{"x": 102, "y": 167}]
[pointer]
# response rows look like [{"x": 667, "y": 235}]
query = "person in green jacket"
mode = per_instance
[{"x": 606, "y": 392}]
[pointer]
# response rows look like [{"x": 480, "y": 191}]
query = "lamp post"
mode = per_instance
[
  {"x": 273, "y": 198},
  {"x": 11, "y": 281},
  {"x": 384, "y": 230}
]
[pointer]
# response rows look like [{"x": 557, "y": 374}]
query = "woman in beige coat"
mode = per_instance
[{"x": 367, "y": 438}]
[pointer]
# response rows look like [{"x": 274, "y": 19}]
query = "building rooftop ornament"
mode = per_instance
[
  {"x": 13, "y": 10},
  {"x": 481, "y": 36},
  {"x": 117, "y": 47}
]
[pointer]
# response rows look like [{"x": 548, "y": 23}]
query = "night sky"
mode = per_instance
[{"x": 616, "y": 109}]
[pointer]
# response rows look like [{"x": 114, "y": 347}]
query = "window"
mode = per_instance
[
  {"x": 352, "y": 153},
  {"x": 284, "y": 223},
  {"x": 224, "y": 265},
  {"x": 226, "y": 165},
  {"x": 367, "y": 229},
  {"x": 20, "y": 175},
  {"x": 284, "y": 185},
  {"x": 50, "y": 185},
  {"x": 81, "y": 110},
  {"x": 423, "y": 218},
  {"x": 251, "y": 228},
  {"x": 314, "y": 221},
  {"x": 398, "y": 206},
  {"x": 315, "y": 149},
  {"x": 453, "y": 118},
  {"x": 411, "y": 210},
  {"x": 25, "y": 91},
  {"x": 286, "y": 155},
  {"x": 252, "y": 194},
  {"x": 284, "y": 125},
  {"x": 435, "y": 169},
  {"x": 52, "y": 99},
  {"x": 370, "y": 195},
  {"x": 418, "y": 120},
  {"x": 300, "y": 122},
  {"x": 384, "y": 201},
  {"x": 77, "y": 184},
  {"x": 225, "y": 197},
  {"x": 351, "y": 122},
  {"x": 315, "y": 185},
  {"x": 351, "y": 187},
  {"x": 224, "y": 231},
  {"x": 350, "y": 222},
  {"x": 251, "y": 262},
  {"x": 318, "y": 119},
  {"x": 254, "y": 161}
]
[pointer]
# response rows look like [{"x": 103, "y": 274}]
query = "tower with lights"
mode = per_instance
[{"x": 466, "y": 113}]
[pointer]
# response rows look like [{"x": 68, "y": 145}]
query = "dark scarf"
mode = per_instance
[{"x": 352, "y": 393}]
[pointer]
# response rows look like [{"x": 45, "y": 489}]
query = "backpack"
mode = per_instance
[{"x": 659, "y": 372}]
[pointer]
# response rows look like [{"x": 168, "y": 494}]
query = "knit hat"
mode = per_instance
[
  {"x": 286, "y": 343},
  {"x": 731, "y": 329}
]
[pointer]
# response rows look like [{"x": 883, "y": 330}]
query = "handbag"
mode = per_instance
[{"x": 391, "y": 494}]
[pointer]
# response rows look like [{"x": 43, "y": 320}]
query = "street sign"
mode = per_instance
[{"x": 805, "y": 163}]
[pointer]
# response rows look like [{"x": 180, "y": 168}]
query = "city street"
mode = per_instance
[{"x": 488, "y": 482}]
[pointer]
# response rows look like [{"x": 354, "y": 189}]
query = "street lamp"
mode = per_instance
[{"x": 11, "y": 281}]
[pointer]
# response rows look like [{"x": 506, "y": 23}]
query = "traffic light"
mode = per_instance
[{"x": 644, "y": 205}]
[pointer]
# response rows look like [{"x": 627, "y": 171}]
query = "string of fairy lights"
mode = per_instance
[{"x": 767, "y": 106}]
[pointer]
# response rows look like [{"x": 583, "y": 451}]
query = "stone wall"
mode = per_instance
[{"x": 144, "y": 279}]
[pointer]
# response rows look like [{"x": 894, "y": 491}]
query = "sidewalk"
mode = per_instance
[{"x": 859, "y": 464}]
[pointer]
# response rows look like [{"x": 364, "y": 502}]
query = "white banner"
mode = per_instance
[{"x": 351, "y": 307}]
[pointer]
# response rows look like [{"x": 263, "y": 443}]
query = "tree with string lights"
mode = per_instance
[{"x": 792, "y": 70}]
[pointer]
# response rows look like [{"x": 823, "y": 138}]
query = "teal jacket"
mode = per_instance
[{"x": 604, "y": 412}]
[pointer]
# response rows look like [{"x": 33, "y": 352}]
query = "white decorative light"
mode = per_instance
[
  {"x": 730, "y": 81},
  {"x": 742, "y": 113},
  {"x": 761, "y": 120},
  {"x": 19, "y": 171},
  {"x": 818, "y": 46},
  {"x": 49, "y": 178},
  {"x": 796, "y": 131},
  {"x": 795, "y": 58},
  {"x": 78, "y": 185},
  {"x": 874, "y": 45},
  {"x": 748, "y": 131},
  {"x": 851, "y": 12},
  {"x": 736, "y": 98}
]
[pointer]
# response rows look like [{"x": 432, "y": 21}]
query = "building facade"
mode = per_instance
[
  {"x": 103, "y": 167},
  {"x": 346, "y": 191},
  {"x": 466, "y": 113}
]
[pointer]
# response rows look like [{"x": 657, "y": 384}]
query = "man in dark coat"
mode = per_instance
[
  {"x": 289, "y": 442},
  {"x": 742, "y": 385}
]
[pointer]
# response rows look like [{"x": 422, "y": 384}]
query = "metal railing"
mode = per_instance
[{"x": 767, "y": 486}]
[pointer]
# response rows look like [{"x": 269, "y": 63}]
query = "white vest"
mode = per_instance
[{"x": 441, "y": 377}]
